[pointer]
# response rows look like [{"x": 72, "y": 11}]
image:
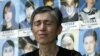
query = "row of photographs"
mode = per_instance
[
  {"x": 78, "y": 20},
  {"x": 17, "y": 14},
  {"x": 81, "y": 40}
]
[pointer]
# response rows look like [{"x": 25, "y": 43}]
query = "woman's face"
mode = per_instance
[
  {"x": 67, "y": 43},
  {"x": 8, "y": 51},
  {"x": 89, "y": 44},
  {"x": 8, "y": 14},
  {"x": 45, "y": 28}
]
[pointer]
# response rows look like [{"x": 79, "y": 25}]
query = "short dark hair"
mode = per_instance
[
  {"x": 43, "y": 9},
  {"x": 63, "y": 2},
  {"x": 29, "y": 3},
  {"x": 90, "y": 32},
  {"x": 69, "y": 34},
  {"x": 8, "y": 43}
]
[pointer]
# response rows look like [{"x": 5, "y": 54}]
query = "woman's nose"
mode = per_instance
[{"x": 42, "y": 27}]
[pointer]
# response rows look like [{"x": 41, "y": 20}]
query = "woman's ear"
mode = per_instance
[{"x": 59, "y": 29}]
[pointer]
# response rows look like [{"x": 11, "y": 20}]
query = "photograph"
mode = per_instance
[
  {"x": 90, "y": 11},
  {"x": 29, "y": 8},
  {"x": 9, "y": 12},
  {"x": 69, "y": 9},
  {"x": 69, "y": 40},
  {"x": 26, "y": 44},
  {"x": 9, "y": 47},
  {"x": 89, "y": 42}
]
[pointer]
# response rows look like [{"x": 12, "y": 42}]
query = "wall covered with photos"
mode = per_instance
[{"x": 78, "y": 19}]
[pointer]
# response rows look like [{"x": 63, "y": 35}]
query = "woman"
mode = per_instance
[
  {"x": 69, "y": 10},
  {"x": 67, "y": 42},
  {"x": 46, "y": 26},
  {"x": 8, "y": 48},
  {"x": 8, "y": 17}
]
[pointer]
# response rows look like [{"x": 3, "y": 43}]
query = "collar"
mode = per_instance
[
  {"x": 92, "y": 54},
  {"x": 89, "y": 11}
]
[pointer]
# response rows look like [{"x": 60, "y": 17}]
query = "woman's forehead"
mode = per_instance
[{"x": 43, "y": 16}]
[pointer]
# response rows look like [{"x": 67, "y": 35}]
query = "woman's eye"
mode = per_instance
[
  {"x": 36, "y": 23},
  {"x": 48, "y": 23}
]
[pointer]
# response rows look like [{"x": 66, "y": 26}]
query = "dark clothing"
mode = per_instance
[
  {"x": 25, "y": 24},
  {"x": 67, "y": 19},
  {"x": 4, "y": 28},
  {"x": 61, "y": 52},
  {"x": 75, "y": 53}
]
